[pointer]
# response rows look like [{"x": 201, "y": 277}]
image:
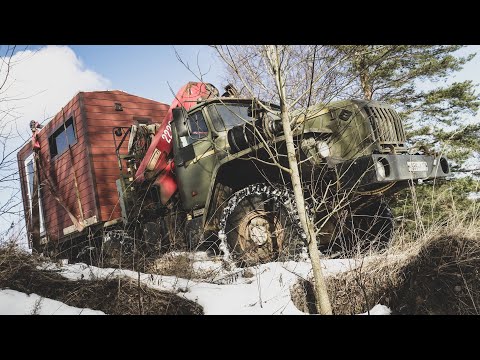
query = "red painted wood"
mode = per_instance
[
  {"x": 101, "y": 119},
  {"x": 100, "y": 168}
]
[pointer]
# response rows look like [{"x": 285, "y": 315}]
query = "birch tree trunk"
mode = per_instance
[{"x": 321, "y": 294}]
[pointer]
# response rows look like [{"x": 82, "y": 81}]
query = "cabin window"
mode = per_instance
[
  {"x": 197, "y": 128},
  {"x": 62, "y": 138}
]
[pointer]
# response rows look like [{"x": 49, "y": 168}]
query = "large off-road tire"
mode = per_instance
[
  {"x": 358, "y": 231},
  {"x": 261, "y": 225}
]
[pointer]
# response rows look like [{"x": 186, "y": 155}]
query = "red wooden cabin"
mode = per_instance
[{"x": 77, "y": 165}]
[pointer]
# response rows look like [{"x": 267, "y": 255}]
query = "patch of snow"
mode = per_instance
[
  {"x": 262, "y": 289},
  {"x": 203, "y": 262},
  {"x": 379, "y": 310},
  {"x": 208, "y": 266},
  {"x": 17, "y": 303},
  {"x": 473, "y": 196}
]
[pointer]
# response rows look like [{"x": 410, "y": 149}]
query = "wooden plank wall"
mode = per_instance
[
  {"x": 60, "y": 171},
  {"x": 101, "y": 118},
  {"x": 94, "y": 158}
]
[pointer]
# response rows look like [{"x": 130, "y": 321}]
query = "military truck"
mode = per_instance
[{"x": 212, "y": 174}]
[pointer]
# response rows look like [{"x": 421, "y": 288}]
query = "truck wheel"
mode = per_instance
[
  {"x": 368, "y": 228},
  {"x": 261, "y": 224}
]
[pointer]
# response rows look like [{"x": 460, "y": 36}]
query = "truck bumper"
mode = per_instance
[{"x": 380, "y": 168}]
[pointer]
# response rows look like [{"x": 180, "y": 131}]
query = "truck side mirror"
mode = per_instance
[{"x": 180, "y": 121}]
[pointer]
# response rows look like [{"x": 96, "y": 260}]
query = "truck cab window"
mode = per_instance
[
  {"x": 226, "y": 116},
  {"x": 197, "y": 127}
]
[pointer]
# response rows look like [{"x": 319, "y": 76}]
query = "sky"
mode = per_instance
[
  {"x": 470, "y": 71},
  {"x": 44, "y": 78},
  {"x": 148, "y": 70},
  {"x": 50, "y": 75}
]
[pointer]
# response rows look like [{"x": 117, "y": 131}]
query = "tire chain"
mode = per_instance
[{"x": 283, "y": 196}]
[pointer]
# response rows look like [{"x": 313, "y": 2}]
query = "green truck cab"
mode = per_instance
[{"x": 229, "y": 155}]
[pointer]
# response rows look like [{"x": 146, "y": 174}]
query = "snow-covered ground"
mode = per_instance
[
  {"x": 263, "y": 289},
  {"x": 17, "y": 303}
]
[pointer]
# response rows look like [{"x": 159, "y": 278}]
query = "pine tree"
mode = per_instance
[
  {"x": 413, "y": 78},
  {"x": 437, "y": 113}
]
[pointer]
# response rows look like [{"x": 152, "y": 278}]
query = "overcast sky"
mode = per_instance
[{"x": 45, "y": 78}]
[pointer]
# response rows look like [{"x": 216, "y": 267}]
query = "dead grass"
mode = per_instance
[
  {"x": 437, "y": 274},
  {"x": 182, "y": 265},
  {"x": 18, "y": 271},
  {"x": 179, "y": 265}
]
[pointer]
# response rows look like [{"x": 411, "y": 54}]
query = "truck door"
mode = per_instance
[{"x": 194, "y": 171}]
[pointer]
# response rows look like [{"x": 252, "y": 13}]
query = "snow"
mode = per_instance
[
  {"x": 379, "y": 310},
  {"x": 259, "y": 290},
  {"x": 17, "y": 303},
  {"x": 202, "y": 261},
  {"x": 473, "y": 196}
]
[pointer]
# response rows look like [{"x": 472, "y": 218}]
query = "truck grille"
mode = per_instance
[{"x": 387, "y": 126}]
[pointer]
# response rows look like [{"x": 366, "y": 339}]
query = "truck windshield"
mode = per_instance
[{"x": 226, "y": 116}]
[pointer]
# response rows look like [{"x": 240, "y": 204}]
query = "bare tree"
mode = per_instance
[
  {"x": 295, "y": 77},
  {"x": 313, "y": 73},
  {"x": 274, "y": 55},
  {"x": 8, "y": 117},
  {"x": 11, "y": 141},
  {"x": 304, "y": 80}
]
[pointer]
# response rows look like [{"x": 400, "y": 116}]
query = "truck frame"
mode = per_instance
[{"x": 226, "y": 159}]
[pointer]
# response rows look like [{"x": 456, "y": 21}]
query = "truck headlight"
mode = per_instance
[
  {"x": 323, "y": 148},
  {"x": 382, "y": 168},
  {"x": 444, "y": 165}
]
